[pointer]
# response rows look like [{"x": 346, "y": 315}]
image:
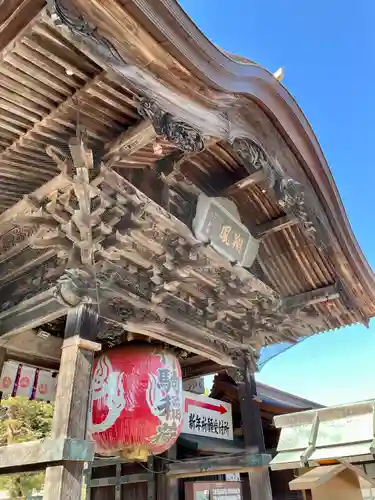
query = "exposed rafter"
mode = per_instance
[
  {"x": 18, "y": 20},
  {"x": 130, "y": 141},
  {"x": 317, "y": 296},
  {"x": 39, "y": 126},
  {"x": 275, "y": 225},
  {"x": 251, "y": 179}
]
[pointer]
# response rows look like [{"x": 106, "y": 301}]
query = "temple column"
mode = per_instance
[
  {"x": 64, "y": 481},
  {"x": 3, "y": 358},
  {"x": 166, "y": 487},
  {"x": 259, "y": 478}
]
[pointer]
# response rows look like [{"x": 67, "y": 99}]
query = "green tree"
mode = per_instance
[{"x": 23, "y": 420}]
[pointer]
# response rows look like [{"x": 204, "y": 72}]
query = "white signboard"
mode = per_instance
[{"x": 207, "y": 417}]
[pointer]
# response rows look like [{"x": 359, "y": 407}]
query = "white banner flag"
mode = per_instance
[
  {"x": 26, "y": 381},
  {"x": 45, "y": 388},
  {"x": 8, "y": 378}
]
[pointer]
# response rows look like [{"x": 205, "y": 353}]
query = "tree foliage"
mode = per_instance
[{"x": 22, "y": 420}]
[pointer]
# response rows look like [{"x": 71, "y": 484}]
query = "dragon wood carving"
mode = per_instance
[{"x": 180, "y": 134}]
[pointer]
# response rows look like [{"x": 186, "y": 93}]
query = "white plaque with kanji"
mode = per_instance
[{"x": 204, "y": 416}]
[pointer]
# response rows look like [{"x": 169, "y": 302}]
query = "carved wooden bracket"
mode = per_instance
[
  {"x": 245, "y": 362},
  {"x": 180, "y": 134},
  {"x": 291, "y": 196},
  {"x": 106, "y": 241}
]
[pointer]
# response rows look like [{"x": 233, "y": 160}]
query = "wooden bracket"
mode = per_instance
[
  {"x": 254, "y": 178},
  {"x": 35, "y": 455},
  {"x": 275, "y": 225},
  {"x": 82, "y": 343},
  {"x": 130, "y": 141},
  {"x": 304, "y": 299}
]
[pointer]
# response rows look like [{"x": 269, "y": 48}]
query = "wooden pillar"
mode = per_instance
[
  {"x": 3, "y": 358},
  {"x": 259, "y": 478},
  {"x": 64, "y": 481},
  {"x": 166, "y": 488}
]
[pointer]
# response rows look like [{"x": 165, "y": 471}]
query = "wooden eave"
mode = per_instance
[
  {"x": 183, "y": 57},
  {"x": 174, "y": 29},
  {"x": 52, "y": 79}
]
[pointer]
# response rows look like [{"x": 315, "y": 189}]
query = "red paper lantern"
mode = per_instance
[{"x": 136, "y": 402}]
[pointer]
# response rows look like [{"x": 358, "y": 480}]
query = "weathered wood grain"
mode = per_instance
[
  {"x": 166, "y": 487},
  {"x": 72, "y": 401},
  {"x": 211, "y": 466},
  {"x": 273, "y": 226},
  {"x": 36, "y": 455},
  {"x": 259, "y": 479}
]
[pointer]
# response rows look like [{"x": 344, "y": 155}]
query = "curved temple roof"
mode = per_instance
[
  {"x": 92, "y": 62},
  {"x": 196, "y": 59},
  {"x": 174, "y": 29}
]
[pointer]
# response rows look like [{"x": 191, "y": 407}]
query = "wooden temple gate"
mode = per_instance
[{"x": 159, "y": 190}]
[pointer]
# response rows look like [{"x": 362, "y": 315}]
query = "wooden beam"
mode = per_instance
[
  {"x": 186, "y": 337},
  {"x": 211, "y": 466},
  {"x": 143, "y": 477},
  {"x": 192, "y": 369},
  {"x": 251, "y": 179},
  {"x": 260, "y": 484},
  {"x": 29, "y": 343},
  {"x": 273, "y": 226},
  {"x": 72, "y": 400},
  {"x": 323, "y": 294},
  {"x": 201, "y": 445},
  {"x": 35, "y": 455},
  {"x": 32, "y": 313},
  {"x": 15, "y": 18},
  {"x": 131, "y": 140},
  {"x": 33, "y": 360},
  {"x": 175, "y": 333}
]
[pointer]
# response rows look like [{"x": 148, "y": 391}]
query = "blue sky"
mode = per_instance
[{"x": 327, "y": 50}]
